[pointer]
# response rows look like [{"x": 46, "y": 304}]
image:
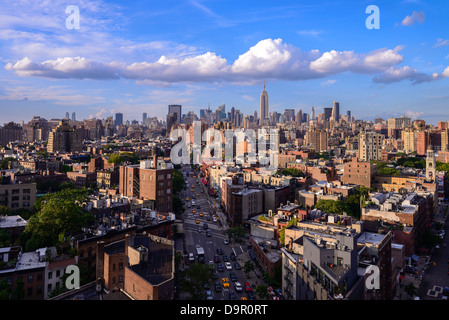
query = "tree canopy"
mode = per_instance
[{"x": 58, "y": 215}]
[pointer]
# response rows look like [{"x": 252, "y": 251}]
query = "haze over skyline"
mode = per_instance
[{"x": 142, "y": 56}]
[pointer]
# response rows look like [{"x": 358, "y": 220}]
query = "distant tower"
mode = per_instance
[
  {"x": 336, "y": 112},
  {"x": 312, "y": 114},
  {"x": 67, "y": 115},
  {"x": 73, "y": 116},
  {"x": 263, "y": 104},
  {"x": 144, "y": 117},
  {"x": 430, "y": 164}
]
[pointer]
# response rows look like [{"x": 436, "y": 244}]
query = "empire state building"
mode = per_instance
[{"x": 263, "y": 104}]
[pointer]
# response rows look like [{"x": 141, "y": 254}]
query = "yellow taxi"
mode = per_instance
[
  {"x": 243, "y": 298},
  {"x": 193, "y": 211},
  {"x": 225, "y": 282},
  {"x": 197, "y": 221},
  {"x": 197, "y": 194},
  {"x": 201, "y": 214},
  {"x": 187, "y": 199}
]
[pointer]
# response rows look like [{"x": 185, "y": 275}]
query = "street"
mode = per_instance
[{"x": 201, "y": 209}]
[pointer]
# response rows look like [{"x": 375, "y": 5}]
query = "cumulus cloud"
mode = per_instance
[
  {"x": 268, "y": 59},
  {"x": 396, "y": 74},
  {"x": 76, "y": 68},
  {"x": 410, "y": 20}
]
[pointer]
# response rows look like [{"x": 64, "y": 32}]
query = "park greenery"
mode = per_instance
[
  {"x": 58, "y": 217},
  {"x": 118, "y": 158}
]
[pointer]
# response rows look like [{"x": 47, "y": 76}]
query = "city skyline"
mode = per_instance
[{"x": 141, "y": 57}]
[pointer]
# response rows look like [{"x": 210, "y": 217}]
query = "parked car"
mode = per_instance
[
  {"x": 209, "y": 295},
  {"x": 220, "y": 267},
  {"x": 237, "y": 266},
  {"x": 228, "y": 265},
  {"x": 220, "y": 251},
  {"x": 233, "y": 276}
]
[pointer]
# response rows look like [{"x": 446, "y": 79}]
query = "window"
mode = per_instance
[
  {"x": 50, "y": 275},
  {"x": 120, "y": 266},
  {"x": 30, "y": 278}
]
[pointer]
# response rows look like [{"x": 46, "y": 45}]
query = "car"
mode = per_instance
[
  {"x": 198, "y": 206},
  {"x": 200, "y": 230},
  {"x": 201, "y": 214},
  {"x": 220, "y": 267},
  {"x": 248, "y": 287},
  {"x": 225, "y": 241},
  {"x": 197, "y": 221},
  {"x": 208, "y": 233},
  {"x": 191, "y": 257},
  {"x": 205, "y": 225},
  {"x": 220, "y": 251},
  {"x": 228, "y": 265},
  {"x": 238, "y": 287},
  {"x": 197, "y": 194},
  {"x": 446, "y": 291},
  {"x": 237, "y": 266},
  {"x": 187, "y": 199},
  {"x": 215, "y": 275},
  {"x": 225, "y": 282},
  {"x": 217, "y": 258},
  {"x": 233, "y": 276},
  {"x": 209, "y": 295},
  {"x": 251, "y": 295},
  {"x": 232, "y": 295},
  {"x": 233, "y": 256},
  {"x": 193, "y": 211},
  {"x": 218, "y": 287},
  {"x": 225, "y": 258}
]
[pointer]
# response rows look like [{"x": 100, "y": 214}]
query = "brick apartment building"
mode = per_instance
[
  {"x": 140, "y": 265},
  {"x": 151, "y": 180}
]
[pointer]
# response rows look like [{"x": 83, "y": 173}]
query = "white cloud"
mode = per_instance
[
  {"x": 268, "y": 59},
  {"x": 410, "y": 20},
  {"x": 396, "y": 74},
  {"x": 441, "y": 42},
  {"x": 413, "y": 114}
]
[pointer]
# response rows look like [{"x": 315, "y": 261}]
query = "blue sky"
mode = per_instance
[{"x": 140, "y": 56}]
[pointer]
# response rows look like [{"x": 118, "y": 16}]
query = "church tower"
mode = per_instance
[{"x": 430, "y": 164}]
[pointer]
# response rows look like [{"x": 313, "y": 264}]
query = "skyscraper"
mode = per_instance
[
  {"x": 263, "y": 104},
  {"x": 312, "y": 114},
  {"x": 118, "y": 119},
  {"x": 176, "y": 108},
  {"x": 336, "y": 112},
  {"x": 144, "y": 117},
  {"x": 73, "y": 116}
]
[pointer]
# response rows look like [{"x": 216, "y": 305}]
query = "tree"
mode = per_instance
[
  {"x": 292, "y": 172},
  {"x": 262, "y": 291},
  {"x": 410, "y": 289},
  {"x": 178, "y": 208},
  {"x": 237, "y": 233},
  {"x": 118, "y": 158},
  {"x": 60, "y": 213},
  {"x": 178, "y": 182},
  {"x": 292, "y": 222},
  {"x": 195, "y": 278},
  {"x": 248, "y": 266}
]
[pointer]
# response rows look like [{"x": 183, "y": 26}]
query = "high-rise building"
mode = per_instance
[
  {"x": 317, "y": 139},
  {"x": 10, "y": 132},
  {"x": 67, "y": 115},
  {"x": 336, "y": 112},
  {"x": 144, "y": 117},
  {"x": 118, "y": 119},
  {"x": 152, "y": 179},
  {"x": 263, "y": 104},
  {"x": 327, "y": 114},
  {"x": 73, "y": 116},
  {"x": 65, "y": 138},
  {"x": 370, "y": 146},
  {"x": 312, "y": 114},
  {"x": 175, "y": 109}
]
